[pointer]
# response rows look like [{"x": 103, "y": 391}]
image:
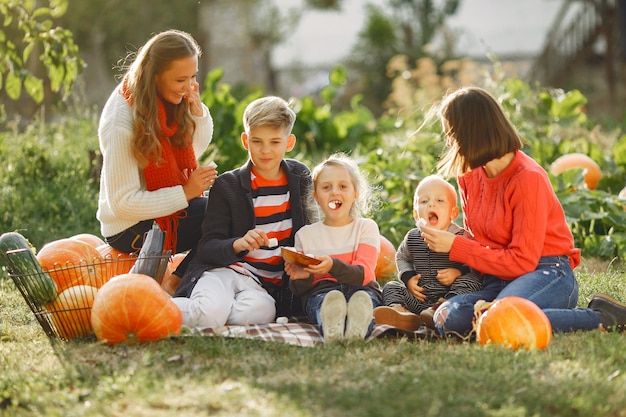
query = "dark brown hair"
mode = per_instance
[{"x": 477, "y": 131}]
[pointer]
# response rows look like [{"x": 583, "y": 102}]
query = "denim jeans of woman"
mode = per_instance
[
  {"x": 552, "y": 286},
  {"x": 314, "y": 303}
]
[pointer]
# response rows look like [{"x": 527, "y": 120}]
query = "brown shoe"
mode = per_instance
[
  {"x": 427, "y": 316},
  {"x": 396, "y": 317}
]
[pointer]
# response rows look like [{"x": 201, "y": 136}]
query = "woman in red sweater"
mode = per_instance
[{"x": 521, "y": 241}]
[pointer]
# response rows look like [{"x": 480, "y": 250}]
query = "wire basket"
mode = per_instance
[{"x": 67, "y": 315}]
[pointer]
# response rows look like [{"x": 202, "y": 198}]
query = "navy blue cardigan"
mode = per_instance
[{"x": 230, "y": 214}]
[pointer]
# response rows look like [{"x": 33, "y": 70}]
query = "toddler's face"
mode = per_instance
[
  {"x": 436, "y": 204},
  {"x": 335, "y": 194}
]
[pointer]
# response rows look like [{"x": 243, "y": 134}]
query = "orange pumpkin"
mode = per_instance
[
  {"x": 513, "y": 322},
  {"x": 71, "y": 311},
  {"x": 93, "y": 240},
  {"x": 133, "y": 308},
  {"x": 591, "y": 169},
  {"x": 386, "y": 263},
  {"x": 117, "y": 262},
  {"x": 72, "y": 262}
]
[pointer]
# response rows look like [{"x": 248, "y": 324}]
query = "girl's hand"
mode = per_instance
[
  {"x": 413, "y": 286},
  {"x": 437, "y": 240},
  {"x": 200, "y": 179},
  {"x": 193, "y": 99},
  {"x": 321, "y": 268},
  {"x": 295, "y": 271}
]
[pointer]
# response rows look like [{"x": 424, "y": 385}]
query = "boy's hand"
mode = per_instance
[
  {"x": 414, "y": 288},
  {"x": 252, "y": 240},
  {"x": 448, "y": 276}
]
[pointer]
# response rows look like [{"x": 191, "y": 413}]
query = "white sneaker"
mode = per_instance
[
  {"x": 333, "y": 316},
  {"x": 360, "y": 314}
]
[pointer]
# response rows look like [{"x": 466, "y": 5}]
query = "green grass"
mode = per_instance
[{"x": 580, "y": 374}]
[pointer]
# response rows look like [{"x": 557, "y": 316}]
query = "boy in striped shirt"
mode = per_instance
[
  {"x": 426, "y": 278},
  {"x": 237, "y": 274}
]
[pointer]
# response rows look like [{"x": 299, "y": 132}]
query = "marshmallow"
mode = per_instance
[
  {"x": 273, "y": 242},
  {"x": 421, "y": 222}
]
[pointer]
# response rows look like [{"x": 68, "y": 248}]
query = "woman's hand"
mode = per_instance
[
  {"x": 438, "y": 240},
  {"x": 193, "y": 99},
  {"x": 199, "y": 180}
]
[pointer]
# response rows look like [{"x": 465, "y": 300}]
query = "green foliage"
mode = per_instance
[
  {"x": 28, "y": 28},
  {"x": 47, "y": 187}
]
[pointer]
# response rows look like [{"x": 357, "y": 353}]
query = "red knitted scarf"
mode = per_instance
[{"x": 172, "y": 169}]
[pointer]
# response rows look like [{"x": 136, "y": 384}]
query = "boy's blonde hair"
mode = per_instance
[
  {"x": 269, "y": 111},
  {"x": 437, "y": 178},
  {"x": 364, "y": 202}
]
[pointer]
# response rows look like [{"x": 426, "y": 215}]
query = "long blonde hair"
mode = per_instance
[{"x": 154, "y": 57}]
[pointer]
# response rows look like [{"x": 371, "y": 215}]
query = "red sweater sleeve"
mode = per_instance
[{"x": 514, "y": 218}]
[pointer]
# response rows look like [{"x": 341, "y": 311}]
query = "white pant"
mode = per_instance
[{"x": 222, "y": 296}]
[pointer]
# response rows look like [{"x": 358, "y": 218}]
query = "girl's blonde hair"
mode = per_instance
[
  {"x": 477, "y": 131},
  {"x": 154, "y": 57},
  {"x": 364, "y": 202}
]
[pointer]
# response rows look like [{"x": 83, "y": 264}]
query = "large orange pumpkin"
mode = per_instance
[
  {"x": 72, "y": 262},
  {"x": 133, "y": 308},
  {"x": 386, "y": 263},
  {"x": 117, "y": 262},
  {"x": 513, "y": 322},
  {"x": 71, "y": 311},
  {"x": 93, "y": 240},
  {"x": 591, "y": 169}
]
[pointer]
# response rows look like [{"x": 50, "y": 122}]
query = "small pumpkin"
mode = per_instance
[
  {"x": 386, "y": 263},
  {"x": 133, "y": 308},
  {"x": 117, "y": 262},
  {"x": 591, "y": 169},
  {"x": 71, "y": 311},
  {"x": 71, "y": 262},
  {"x": 93, "y": 240},
  {"x": 513, "y": 322}
]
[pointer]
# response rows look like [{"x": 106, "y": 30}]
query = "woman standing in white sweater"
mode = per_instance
[{"x": 151, "y": 132}]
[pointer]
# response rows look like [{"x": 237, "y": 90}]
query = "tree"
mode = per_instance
[
  {"x": 408, "y": 30},
  {"x": 28, "y": 30}
]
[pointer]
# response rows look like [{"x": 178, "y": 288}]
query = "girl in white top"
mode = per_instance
[{"x": 340, "y": 292}]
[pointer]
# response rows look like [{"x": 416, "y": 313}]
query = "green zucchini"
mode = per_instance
[
  {"x": 10, "y": 241},
  {"x": 25, "y": 270}
]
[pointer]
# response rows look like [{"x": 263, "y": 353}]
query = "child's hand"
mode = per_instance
[
  {"x": 414, "y": 288},
  {"x": 448, "y": 276},
  {"x": 321, "y": 268},
  {"x": 296, "y": 271},
  {"x": 252, "y": 240}
]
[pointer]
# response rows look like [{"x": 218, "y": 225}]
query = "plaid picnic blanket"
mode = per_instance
[{"x": 298, "y": 334}]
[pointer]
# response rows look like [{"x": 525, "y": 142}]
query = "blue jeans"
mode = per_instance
[
  {"x": 552, "y": 286},
  {"x": 314, "y": 302}
]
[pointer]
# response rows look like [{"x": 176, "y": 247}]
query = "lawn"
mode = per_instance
[{"x": 579, "y": 374}]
